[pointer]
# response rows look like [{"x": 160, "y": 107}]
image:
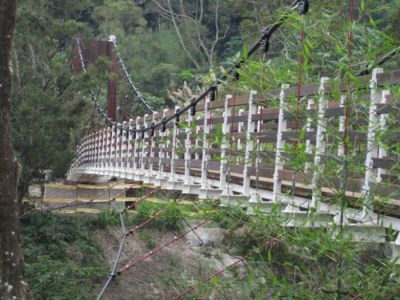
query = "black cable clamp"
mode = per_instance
[
  {"x": 143, "y": 131},
  {"x": 193, "y": 107},
  {"x": 266, "y": 41},
  {"x": 303, "y": 6},
  {"x": 177, "y": 116},
  {"x": 153, "y": 128},
  {"x": 213, "y": 92},
  {"x": 134, "y": 133},
  {"x": 164, "y": 124}
]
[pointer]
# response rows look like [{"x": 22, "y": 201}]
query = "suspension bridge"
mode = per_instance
[{"x": 265, "y": 152}]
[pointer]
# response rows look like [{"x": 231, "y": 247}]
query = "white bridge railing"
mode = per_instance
[{"x": 286, "y": 155}]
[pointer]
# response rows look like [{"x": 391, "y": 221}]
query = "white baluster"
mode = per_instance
[
  {"x": 150, "y": 175},
  {"x": 280, "y": 144},
  {"x": 143, "y": 156},
  {"x": 239, "y": 141},
  {"x": 249, "y": 144},
  {"x": 173, "y": 178},
  {"x": 382, "y": 152},
  {"x": 341, "y": 127},
  {"x": 162, "y": 153},
  {"x": 136, "y": 148},
  {"x": 129, "y": 151},
  {"x": 188, "y": 147},
  {"x": 320, "y": 145},
  {"x": 225, "y": 145},
  {"x": 372, "y": 149},
  {"x": 205, "y": 158},
  {"x": 309, "y": 128}
]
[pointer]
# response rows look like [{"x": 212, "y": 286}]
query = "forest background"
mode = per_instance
[{"x": 172, "y": 48}]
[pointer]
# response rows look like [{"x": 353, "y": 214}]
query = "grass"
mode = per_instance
[{"x": 62, "y": 261}]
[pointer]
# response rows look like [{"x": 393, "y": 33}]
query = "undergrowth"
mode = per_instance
[
  {"x": 299, "y": 264},
  {"x": 171, "y": 219},
  {"x": 62, "y": 261}
]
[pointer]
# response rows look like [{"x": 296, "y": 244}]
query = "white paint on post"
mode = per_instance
[
  {"x": 104, "y": 151},
  {"x": 320, "y": 144},
  {"x": 173, "y": 150},
  {"x": 129, "y": 163},
  {"x": 382, "y": 152},
  {"x": 136, "y": 147},
  {"x": 152, "y": 142},
  {"x": 162, "y": 154},
  {"x": 309, "y": 128},
  {"x": 249, "y": 144},
  {"x": 341, "y": 127},
  {"x": 144, "y": 147},
  {"x": 280, "y": 144},
  {"x": 197, "y": 142},
  {"x": 109, "y": 147},
  {"x": 225, "y": 145},
  {"x": 122, "y": 159},
  {"x": 188, "y": 147},
  {"x": 372, "y": 147},
  {"x": 206, "y": 131},
  {"x": 239, "y": 141}
]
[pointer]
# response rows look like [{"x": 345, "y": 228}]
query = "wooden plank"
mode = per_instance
[
  {"x": 392, "y": 77},
  {"x": 384, "y": 163}
]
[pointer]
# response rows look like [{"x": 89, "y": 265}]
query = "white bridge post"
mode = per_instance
[
  {"x": 341, "y": 127},
  {"x": 206, "y": 131},
  {"x": 103, "y": 150},
  {"x": 197, "y": 140},
  {"x": 320, "y": 145},
  {"x": 109, "y": 147},
  {"x": 239, "y": 141},
  {"x": 382, "y": 152},
  {"x": 144, "y": 148},
  {"x": 188, "y": 147},
  {"x": 175, "y": 132},
  {"x": 280, "y": 144},
  {"x": 249, "y": 145},
  {"x": 150, "y": 159},
  {"x": 136, "y": 148},
  {"x": 372, "y": 148},
  {"x": 162, "y": 153},
  {"x": 113, "y": 149},
  {"x": 129, "y": 163},
  {"x": 225, "y": 145},
  {"x": 309, "y": 128},
  {"x": 98, "y": 150}
]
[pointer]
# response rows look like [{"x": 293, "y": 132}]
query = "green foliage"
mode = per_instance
[
  {"x": 301, "y": 263},
  {"x": 62, "y": 261},
  {"x": 107, "y": 217},
  {"x": 170, "y": 220}
]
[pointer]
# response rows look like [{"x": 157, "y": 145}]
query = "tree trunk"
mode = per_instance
[{"x": 12, "y": 284}]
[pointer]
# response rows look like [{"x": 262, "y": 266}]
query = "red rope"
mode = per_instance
[
  {"x": 193, "y": 287},
  {"x": 143, "y": 198},
  {"x": 158, "y": 249}
]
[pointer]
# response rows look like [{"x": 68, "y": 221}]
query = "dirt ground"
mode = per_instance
[{"x": 165, "y": 274}]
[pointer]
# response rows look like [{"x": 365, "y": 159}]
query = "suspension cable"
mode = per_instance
[
  {"x": 98, "y": 108},
  {"x": 129, "y": 78},
  {"x": 301, "y": 6}
]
